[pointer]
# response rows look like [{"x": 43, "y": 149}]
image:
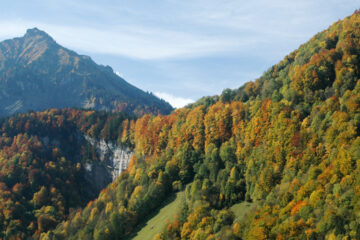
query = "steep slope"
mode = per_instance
[
  {"x": 51, "y": 163},
  {"x": 158, "y": 223},
  {"x": 288, "y": 142},
  {"x": 36, "y": 73}
]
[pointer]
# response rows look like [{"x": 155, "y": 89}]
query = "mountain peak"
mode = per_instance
[
  {"x": 37, "y": 33},
  {"x": 43, "y": 74}
]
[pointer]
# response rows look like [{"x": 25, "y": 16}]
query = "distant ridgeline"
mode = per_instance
[
  {"x": 288, "y": 143},
  {"x": 36, "y": 73}
]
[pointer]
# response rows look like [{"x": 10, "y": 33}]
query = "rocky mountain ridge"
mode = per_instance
[{"x": 36, "y": 73}]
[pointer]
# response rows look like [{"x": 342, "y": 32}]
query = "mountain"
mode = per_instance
[
  {"x": 36, "y": 73},
  {"x": 278, "y": 158}
]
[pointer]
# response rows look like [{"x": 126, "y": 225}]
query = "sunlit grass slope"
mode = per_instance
[{"x": 159, "y": 220}]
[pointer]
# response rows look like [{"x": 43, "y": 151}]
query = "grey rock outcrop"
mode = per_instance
[
  {"x": 110, "y": 162},
  {"x": 113, "y": 159}
]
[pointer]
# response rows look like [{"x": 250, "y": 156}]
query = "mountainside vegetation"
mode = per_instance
[
  {"x": 42, "y": 166},
  {"x": 288, "y": 142},
  {"x": 278, "y": 158},
  {"x": 36, "y": 73},
  {"x": 157, "y": 223}
]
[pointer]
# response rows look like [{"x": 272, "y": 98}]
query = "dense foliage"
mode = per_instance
[
  {"x": 289, "y": 142},
  {"x": 41, "y": 167}
]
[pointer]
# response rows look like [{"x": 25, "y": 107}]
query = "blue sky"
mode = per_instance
[{"x": 180, "y": 50}]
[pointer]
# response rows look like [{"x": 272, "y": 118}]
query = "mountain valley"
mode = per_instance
[{"x": 277, "y": 158}]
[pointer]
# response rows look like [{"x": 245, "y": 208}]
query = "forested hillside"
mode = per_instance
[
  {"x": 42, "y": 173},
  {"x": 289, "y": 142}
]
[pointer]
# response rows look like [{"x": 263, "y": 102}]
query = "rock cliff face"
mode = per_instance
[{"x": 113, "y": 160}]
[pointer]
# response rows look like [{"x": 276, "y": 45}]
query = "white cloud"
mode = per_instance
[
  {"x": 183, "y": 29},
  {"x": 131, "y": 41},
  {"x": 119, "y": 74},
  {"x": 176, "y": 102}
]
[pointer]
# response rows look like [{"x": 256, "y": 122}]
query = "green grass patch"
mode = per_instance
[{"x": 158, "y": 221}]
